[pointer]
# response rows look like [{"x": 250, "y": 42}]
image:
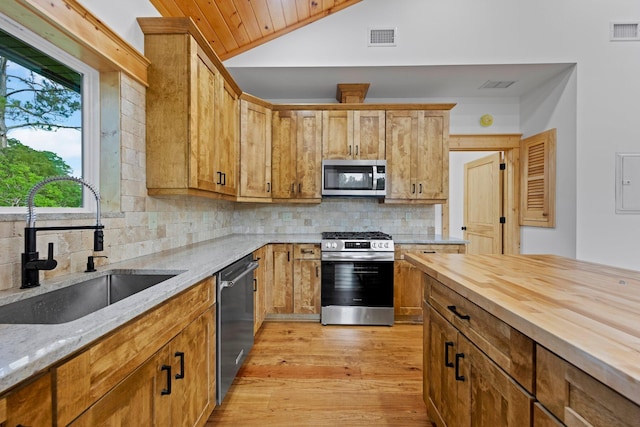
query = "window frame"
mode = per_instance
[{"x": 90, "y": 96}]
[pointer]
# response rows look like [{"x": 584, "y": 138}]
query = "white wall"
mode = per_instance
[
  {"x": 120, "y": 16},
  {"x": 604, "y": 88}
]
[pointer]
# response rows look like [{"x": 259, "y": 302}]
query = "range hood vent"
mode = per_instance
[
  {"x": 623, "y": 31},
  {"x": 382, "y": 36}
]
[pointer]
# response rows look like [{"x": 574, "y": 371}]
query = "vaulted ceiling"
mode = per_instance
[{"x": 234, "y": 26}]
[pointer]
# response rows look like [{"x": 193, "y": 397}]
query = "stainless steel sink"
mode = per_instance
[{"x": 78, "y": 300}]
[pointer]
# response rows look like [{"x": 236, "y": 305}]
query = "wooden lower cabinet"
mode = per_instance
[
  {"x": 295, "y": 287},
  {"x": 264, "y": 255},
  {"x": 577, "y": 399},
  {"x": 465, "y": 386},
  {"x": 407, "y": 279},
  {"x": 176, "y": 387},
  {"x": 280, "y": 295},
  {"x": 28, "y": 405},
  {"x": 127, "y": 365},
  {"x": 306, "y": 279}
]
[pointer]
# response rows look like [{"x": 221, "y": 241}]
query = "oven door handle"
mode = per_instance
[{"x": 357, "y": 256}]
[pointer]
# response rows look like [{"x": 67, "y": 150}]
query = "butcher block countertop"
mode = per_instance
[{"x": 589, "y": 314}]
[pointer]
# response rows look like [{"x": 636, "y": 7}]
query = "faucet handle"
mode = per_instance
[{"x": 49, "y": 263}]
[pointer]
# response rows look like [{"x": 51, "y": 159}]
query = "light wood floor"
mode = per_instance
[{"x": 306, "y": 374}]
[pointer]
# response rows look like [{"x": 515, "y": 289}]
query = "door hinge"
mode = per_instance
[
  {"x": 503, "y": 166},
  {"x": 503, "y": 220}
]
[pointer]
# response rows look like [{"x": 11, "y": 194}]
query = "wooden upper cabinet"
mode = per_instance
[
  {"x": 255, "y": 152},
  {"x": 538, "y": 200},
  {"x": 191, "y": 143},
  {"x": 356, "y": 134},
  {"x": 296, "y": 153},
  {"x": 226, "y": 159},
  {"x": 417, "y": 149}
]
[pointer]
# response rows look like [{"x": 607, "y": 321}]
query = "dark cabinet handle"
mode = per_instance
[
  {"x": 458, "y": 357},
  {"x": 446, "y": 354},
  {"x": 463, "y": 228},
  {"x": 180, "y": 354},
  {"x": 219, "y": 182},
  {"x": 413, "y": 189},
  {"x": 268, "y": 187},
  {"x": 428, "y": 252},
  {"x": 306, "y": 251},
  {"x": 299, "y": 188},
  {"x": 224, "y": 179},
  {"x": 455, "y": 311},
  {"x": 317, "y": 271},
  {"x": 168, "y": 389},
  {"x": 420, "y": 188},
  {"x": 293, "y": 187},
  {"x": 357, "y": 153},
  {"x": 255, "y": 285},
  {"x": 349, "y": 150}
]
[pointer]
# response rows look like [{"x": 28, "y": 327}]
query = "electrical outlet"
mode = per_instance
[{"x": 153, "y": 220}]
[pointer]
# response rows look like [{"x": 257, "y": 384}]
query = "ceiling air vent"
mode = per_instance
[
  {"x": 621, "y": 31},
  {"x": 497, "y": 84},
  {"x": 382, "y": 36}
]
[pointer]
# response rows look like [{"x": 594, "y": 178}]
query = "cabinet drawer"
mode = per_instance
[
  {"x": 85, "y": 378},
  {"x": 578, "y": 399},
  {"x": 400, "y": 250},
  {"x": 506, "y": 346},
  {"x": 306, "y": 251}
]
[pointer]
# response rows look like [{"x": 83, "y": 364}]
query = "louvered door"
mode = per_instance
[{"x": 538, "y": 156}]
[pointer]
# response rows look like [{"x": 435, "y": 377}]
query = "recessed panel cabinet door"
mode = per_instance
[
  {"x": 255, "y": 150},
  {"x": 29, "y": 405},
  {"x": 283, "y": 150},
  {"x": 202, "y": 151},
  {"x": 402, "y": 136},
  {"x": 309, "y": 155}
]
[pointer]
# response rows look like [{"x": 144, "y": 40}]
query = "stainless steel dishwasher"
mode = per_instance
[{"x": 234, "y": 321}]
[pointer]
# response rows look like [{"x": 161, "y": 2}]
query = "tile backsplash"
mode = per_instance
[{"x": 356, "y": 214}]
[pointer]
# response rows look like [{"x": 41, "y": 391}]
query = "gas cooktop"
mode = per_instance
[{"x": 355, "y": 235}]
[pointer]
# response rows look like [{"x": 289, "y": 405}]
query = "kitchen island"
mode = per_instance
[{"x": 548, "y": 325}]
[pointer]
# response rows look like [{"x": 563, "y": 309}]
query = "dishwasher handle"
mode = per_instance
[{"x": 230, "y": 283}]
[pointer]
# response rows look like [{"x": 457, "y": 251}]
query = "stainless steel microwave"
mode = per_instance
[{"x": 362, "y": 178}]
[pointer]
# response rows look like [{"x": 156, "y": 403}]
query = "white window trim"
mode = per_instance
[{"x": 90, "y": 116}]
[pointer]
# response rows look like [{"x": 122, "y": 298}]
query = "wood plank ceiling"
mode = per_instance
[{"x": 235, "y": 26}]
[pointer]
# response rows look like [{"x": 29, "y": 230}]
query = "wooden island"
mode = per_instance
[{"x": 517, "y": 340}]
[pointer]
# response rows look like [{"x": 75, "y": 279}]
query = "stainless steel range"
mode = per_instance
[{"x": 357, "y": 278}]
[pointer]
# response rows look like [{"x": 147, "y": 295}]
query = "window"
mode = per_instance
[{"x": 49, "y": 123}]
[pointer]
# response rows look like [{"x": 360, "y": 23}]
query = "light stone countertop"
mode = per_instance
[{"x": 30, "y": 349}]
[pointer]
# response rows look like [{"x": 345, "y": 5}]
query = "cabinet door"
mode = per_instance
[
  {"x": 29, "y": 405},
  {"x": 255, "y": 150},
  {"x": 309, "y": 155},
  {"x": 369, "y": 135},
  {"x": 491, "y": 396},
  {"x": 192, "y": 357},
  {"x": 337, "y": 134},
  {"x": 262, "y": 273},
  {"x": 203, "y": 128},
  {"x": 283, "y": 152},
  {"x": 281, "y": 292},
  {"x": 136, "y": 401},
  {"x": 227, "y": 141},
  {"x": 306, "y": 288},
  {"x": 401, "y": 139},
  {"x": 431, "y": 156},
  {"x": 408, "y": 291},
  {"x": 442, "y": 406}
]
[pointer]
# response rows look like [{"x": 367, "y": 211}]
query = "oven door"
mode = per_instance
[{"x": 357, "y": 283}]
